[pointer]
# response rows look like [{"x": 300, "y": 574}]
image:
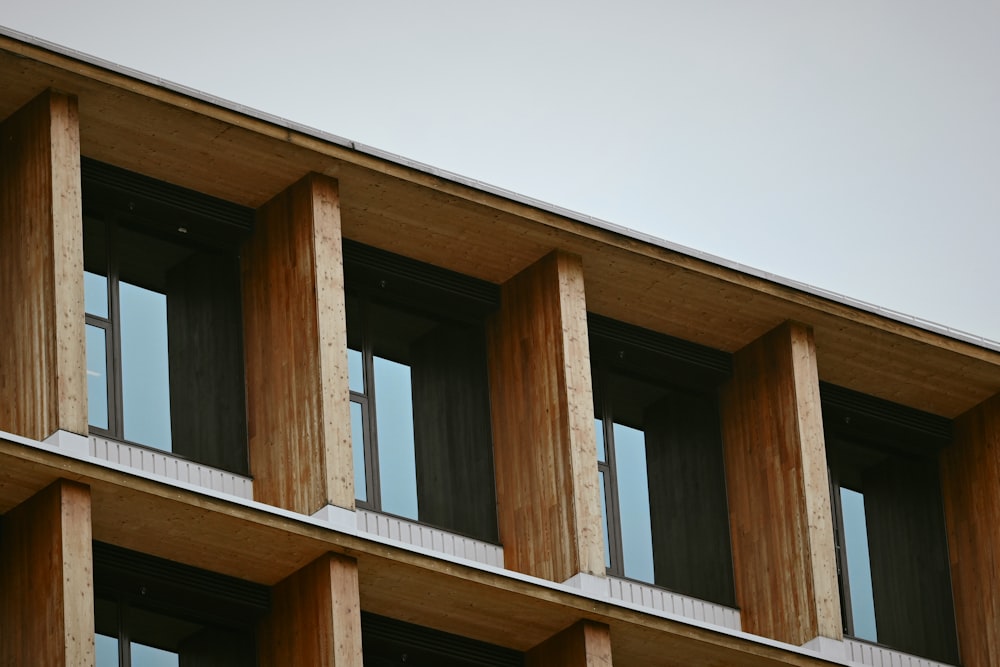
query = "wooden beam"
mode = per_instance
[
  {"x": 970, "y": 486},
  {"x": 543, "y": 423},
  {"x": 583, "y": 644},
  {"x": 779, "y": 499},
  {"x": 46, "y": 579},
  {"x": 315, "y": 617},
  {"x": 43, "y": 380},
  {"x": 296, "y": 351}
]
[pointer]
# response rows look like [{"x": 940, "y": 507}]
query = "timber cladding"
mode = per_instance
[
  {"x": 782, "y": 538},
  {"x": 544, "y": 447},
  {"x": 296, "y": 351},
  {"x": 42, "y": 358}
]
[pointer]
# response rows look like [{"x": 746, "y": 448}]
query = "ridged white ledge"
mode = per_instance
[
  {"x": 171, "y": 467},
  {"x": 652, "y": 597},
  {"x": 863, "y": 653},
  {"x": 435, "y": 539}
]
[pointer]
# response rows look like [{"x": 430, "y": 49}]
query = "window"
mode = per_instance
[
  {"x": 660, "y": 460},
  {"x": 154, "y": 613},
  {"x": 389, "y": 643},
  {"x": 892, "y": 552},
  {"x": 420, "y": 409},
  {"x": 162, "y": 297}
]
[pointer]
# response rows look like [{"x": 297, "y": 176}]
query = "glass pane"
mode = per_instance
[
  {"x": 355, "y": 371},
  {"x": 147, "y": 656},
  {"x": 396, "y": 461},
  {"x": 358, "y": 447},
  {"x": 599, "y": 433},
  {"x": 97, "y": 377},
  {"x": 106, "y": 649},
  {"x": 604, "y": 522},
  {"x": 859, "y": 571},
  {"x": 95, "y": 294},
  {"x": 633, "y": 502},
  {"x": 145, "y": 371}
]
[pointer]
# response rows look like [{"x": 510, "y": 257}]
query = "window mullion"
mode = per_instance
[
  {"x": 116, "y": 402},
  {"x": 611, "y": 482},
  {"x": 368, "y": 411}
]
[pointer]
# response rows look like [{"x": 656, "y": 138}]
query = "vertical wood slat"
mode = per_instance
[
  {"x": 298, "y": 401},
  {"x": 779, "y": 499},
  {"x": 970, "y": 486},
  {"x": 583, "y": 644},
  {"x": 43, "y": 381},
  {"x": 46, "y": 579},
  {"x": 315, "y": 617},
  {"x": 545, "y": 451}
]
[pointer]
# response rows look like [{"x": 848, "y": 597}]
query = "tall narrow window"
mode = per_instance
[
  {"x": 420, "y": 413},
  {"x": 662, "y": 482},
  {"x": 162, "y": 299},
  {"x": 889, "y": 523}
]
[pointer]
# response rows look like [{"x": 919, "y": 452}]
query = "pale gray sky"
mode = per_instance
[{"x": 851, "y": 145}]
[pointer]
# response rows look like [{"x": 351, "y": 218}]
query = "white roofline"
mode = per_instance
[{"x": 842, "y": 299}]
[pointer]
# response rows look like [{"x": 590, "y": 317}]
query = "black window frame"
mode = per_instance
[
  {"x": 376, "y": 279},
  {"x": 684, "y": 372},
  {"x": 119, "y": 199},
  {"x": 894, "y": 450}
]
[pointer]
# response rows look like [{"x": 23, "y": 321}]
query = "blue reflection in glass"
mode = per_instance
[
  {"x": 355, "y": 371},
  {"x": 97, "y": 377},
  {"x": 147, "y": 656},
  {"x": 633, "y": 502},
  {"x": 358, "y": 448},
  {"x": 106, "y": 650},
  {"x": 599, "y": 434},
  {"x": 95, "y": 294},
  {"x": 145, "y": 370},
  {"x": 859, "y": 572},
  {"x": 394, "y": 420}
]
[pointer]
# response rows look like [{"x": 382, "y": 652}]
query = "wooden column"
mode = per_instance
[
  {"x": 545, "y": 453},
  {"x": 43, "y": 378},
  {"x": 970, "y": 486},
  {"x": 315, "y": 617},
  {"x": 298, "y": 401},
  {"x": 584, "y": 644},
  {"x": 46, "y": 579},
  {"x": 779, "y": 498}
]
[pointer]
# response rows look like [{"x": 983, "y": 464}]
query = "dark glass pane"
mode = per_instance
[
  {"x": 604, "y": 521},
  {"x": 396, "y": 460},
  {"x": 358, "y": 448},
  {"x": 97, "y": 377},
  {"x": 145, "y": 368},
  {"x": 859, "y": 572},
  {"x": 633, "y": 502},
  {"x": 95, "y": 265}
]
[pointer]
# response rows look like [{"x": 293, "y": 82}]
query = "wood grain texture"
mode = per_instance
[
  {"x": 543, "y": 435},
  {"x": 970, "y": 486},
  {"x": 43, "y": 377},
  {"x": 46, "y": 579},
  {"x": 315, "y": 617},
  {"x": 779, "y": 500},
  {"x": 296, "y": 351},
  {"x": 583, "y": 644}
]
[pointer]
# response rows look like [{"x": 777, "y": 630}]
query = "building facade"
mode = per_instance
[{"x": 270, "y": 397}]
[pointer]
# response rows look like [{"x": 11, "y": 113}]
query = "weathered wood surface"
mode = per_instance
[
  {"x": 970, "y": 486},
  {"x": 43, "y": 380},
  {"x": 315, "y": 617},
  {"x": 46, "y": 579},
  {"x": 295, "y": 335},
  {"x": 543, "y": 414},
  {"x": 779, "y": 499},
  {"x": 583, "y": 644}
]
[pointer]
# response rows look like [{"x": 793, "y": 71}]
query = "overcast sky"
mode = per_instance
[{"x": 854, "y": 146}]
